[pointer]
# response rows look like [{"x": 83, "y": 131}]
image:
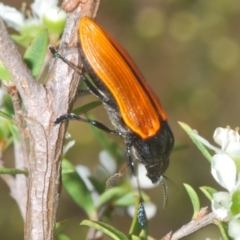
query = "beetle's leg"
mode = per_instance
[
  {"x": 58, "y": 55},
  {"x": 142, "y": 218},
  {"x": 130, "y": 160},
  {"x": 91, "y": 88},
  {"x": 92, "y": 122},
  {"x": 114, "y": 179}
]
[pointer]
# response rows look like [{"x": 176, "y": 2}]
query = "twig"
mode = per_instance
[{"x": 191, "y": 227}]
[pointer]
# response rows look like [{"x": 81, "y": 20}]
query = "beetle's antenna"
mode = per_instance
[{"x": 165, "y": 191}]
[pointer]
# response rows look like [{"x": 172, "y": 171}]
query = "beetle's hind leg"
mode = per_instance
[
  {"x": 94, "y": 123},
  {"x": 91, "y": 88}
]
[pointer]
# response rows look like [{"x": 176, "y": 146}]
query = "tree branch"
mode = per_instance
[{"x": 43, "y": 104}]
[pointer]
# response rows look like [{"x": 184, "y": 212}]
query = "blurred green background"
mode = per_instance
[{"x": 189, "y": 53}]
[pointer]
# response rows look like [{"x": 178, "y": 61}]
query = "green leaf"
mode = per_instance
[
  {"x": 133, "y": 237},
  {"x": 12, "y": 171},
  {"x": 77, "y": 189},
  {"x": 8, "y": 143},
  {"x": 60, "y": 226},
  {"x": 129, "y": 199},
  {"x": 125, "y": 200},
  {"x": 63, "y": 237},
  {"x": 4, "y": 74},
  {"x": 111, "y": 194},
  {"x": 208, "y": 191},
  {"x": 98, "y": 186},
  {"x": 14, "y": 131},
  {"x": 5, "y": 115},
  {"x": 87, "y": 107},
  {"x": 8, "y": 105},
  {"x": 26, "y": 35},
  {"x": 4, "y": 127},
  {"x": 194, "y": 199},
  {"x": 86, "y": 75},
  {"x": 179, "y": 146},
  {"x": 106, "y": 143},
  {"x": 5, "y": 142},
  {"x": 150, "y": 238},
  {"x": 235, "y": 207},
  {"x": 199, "y": 144},
  {"x": 35, "y": 53},
  {"x": 106, "y": 229},
  {"x": 143, "y": 234},
  {"x": 104, "y": 140},
  {"x": 6, "y": 137},
  {"x": 55, "y": 25},
  {"x": 22, "y": 40}
]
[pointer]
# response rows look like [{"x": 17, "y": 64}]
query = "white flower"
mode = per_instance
[
  {"x": 228, "y": 139},
  {"x": 224, "y": 171},
  {"x": 11, "y": 16},
  {"x": 221, "y": 205},
  {"x": 85, "y": 173},
  {"x": 107, "y": 162},
  {"x": 224, "y": 168},
  {"x": 234, "y": 227},
  {"x": 214, "y": 238},
  {"x": 144, "y": 181},
  {"x": 150, "y": 210},
  {"x": 223, "y": 165},
  {"x": 39, "y": 8},
  {"x": 67, "y": 146}
]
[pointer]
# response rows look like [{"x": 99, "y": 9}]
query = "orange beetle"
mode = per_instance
[{"x": 132, "y": 106}]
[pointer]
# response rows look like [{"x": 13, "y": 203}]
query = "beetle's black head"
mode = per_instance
[{"x": 154, "y": 152}]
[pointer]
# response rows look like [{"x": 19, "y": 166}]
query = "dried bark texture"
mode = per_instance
[{"x": 43, "y": 104}]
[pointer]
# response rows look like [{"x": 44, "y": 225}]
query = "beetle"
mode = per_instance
[{"x": 133, "y": 108}]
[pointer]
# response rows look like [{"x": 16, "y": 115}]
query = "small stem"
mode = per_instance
[
  {"x": 191, "y": 227},
  {"x": 222, "y": 229}
]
